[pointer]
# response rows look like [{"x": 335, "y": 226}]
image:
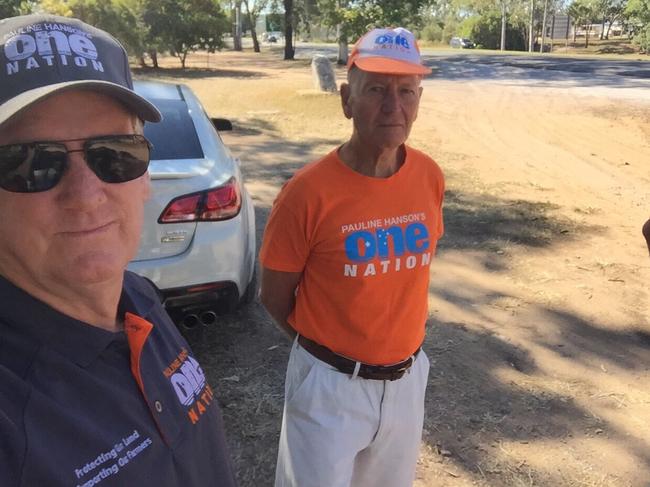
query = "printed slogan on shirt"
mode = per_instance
[{"x": 385, "y": 245}]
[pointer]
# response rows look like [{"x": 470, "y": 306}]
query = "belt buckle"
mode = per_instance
[{"x": 399, "y": 373}]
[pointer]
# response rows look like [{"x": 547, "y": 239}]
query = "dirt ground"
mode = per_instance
[{"x": 538, "y": 331}]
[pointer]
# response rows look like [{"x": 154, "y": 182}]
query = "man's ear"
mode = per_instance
[{"x": 345, "y": 100}]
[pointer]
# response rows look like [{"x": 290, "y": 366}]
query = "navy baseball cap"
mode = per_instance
[{"x": 45, "y": 54}]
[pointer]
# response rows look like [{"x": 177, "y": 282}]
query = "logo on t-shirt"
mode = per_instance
[
  {"x": 188, "y": 380},
  {"x": 384, "y": 245}
]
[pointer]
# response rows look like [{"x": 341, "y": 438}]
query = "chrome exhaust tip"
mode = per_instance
[
  {"x": 208, "y": 318},
  {"x": 190, "y": 321}
]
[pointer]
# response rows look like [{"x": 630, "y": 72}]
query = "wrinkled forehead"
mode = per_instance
[
  {"x": 358, "y": 77},
  {"x": 73, "y": 114}
]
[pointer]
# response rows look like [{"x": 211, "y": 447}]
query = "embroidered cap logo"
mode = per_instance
[
  {"x": 48, "y": 45},
  {"x": 399, "y": 40}
]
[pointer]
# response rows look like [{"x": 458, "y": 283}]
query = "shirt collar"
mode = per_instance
[{"x": 80, "y": 342}]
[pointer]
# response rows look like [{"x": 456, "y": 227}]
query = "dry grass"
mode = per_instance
[
  {"x": 524, "y": 389},
  {"x": 260, "y": 93}
]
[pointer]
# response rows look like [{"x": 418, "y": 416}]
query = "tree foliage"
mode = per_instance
[
  {"x": 485, "y": 30},
  {"x": 182, "y": 26},
  {"x": 584, "y": 12},
  {"x": 149, "y": 26},
  {"x": 638, "y": 12},
  {"x": 358, "y": 16},
  {"x": 9, "y": 8}
]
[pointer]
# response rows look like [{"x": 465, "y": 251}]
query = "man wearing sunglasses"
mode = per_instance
[{"x": 96, "y": 384}]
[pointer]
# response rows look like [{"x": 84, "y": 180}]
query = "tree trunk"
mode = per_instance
[
  {"x": 552, "y": 31},
  {"x": 343, "y": 46},
  {"x": 256, "y": 43},
  {"x": 609, "y": 26},
  {"x": 252, "y": 19},
  {"x": 289, "y": 51},
  {"x": 531, "y": 42},
  {"x": 541, "y": 44},
  {"x": 237, "y": 33},
  {"x": 183, "y": 57},
  {"x": 153, "y": 54},
  {"x": 602, "y": 28},
  {"x": 504, "y": 21},
  {"x": 588, "y": 28},
  {"x": 575, "y": 33},
  {"x": 141, "y": 61}
]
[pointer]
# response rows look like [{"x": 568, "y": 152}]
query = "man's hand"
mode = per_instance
[
  {"x": 646, "y": 233},
  {"x": 278, "y": 295}
]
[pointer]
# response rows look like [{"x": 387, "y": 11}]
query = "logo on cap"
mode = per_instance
[
  {"x": 48, "y": 44},
  {"x": 397, "y": 41}
]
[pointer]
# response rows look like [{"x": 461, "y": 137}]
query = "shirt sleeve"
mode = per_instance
[
  {"x": 441, "y": 198},
  {"x": 285, "y": 246}
]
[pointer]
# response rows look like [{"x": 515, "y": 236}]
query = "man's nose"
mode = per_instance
[
  {"x": 390, "y": 101},
  {"x": 80, "y": 186}
]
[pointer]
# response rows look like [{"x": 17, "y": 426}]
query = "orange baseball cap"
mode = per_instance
[{"x": 388, "y": 51}]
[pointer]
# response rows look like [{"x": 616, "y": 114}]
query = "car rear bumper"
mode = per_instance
[{"x": 220, "y": 255}]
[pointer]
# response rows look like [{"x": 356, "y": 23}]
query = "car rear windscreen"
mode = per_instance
[{"x": 175, "y": 137}]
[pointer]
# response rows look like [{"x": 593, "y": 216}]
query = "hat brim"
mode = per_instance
[
  {"x": 137, "y": 104},
  {"x": 377, "y": 64}
]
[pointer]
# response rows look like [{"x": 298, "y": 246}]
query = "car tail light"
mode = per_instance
[{"x": 213, "y": 204}]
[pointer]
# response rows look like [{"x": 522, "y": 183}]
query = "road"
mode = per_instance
[{"x": 622, "y": 79}]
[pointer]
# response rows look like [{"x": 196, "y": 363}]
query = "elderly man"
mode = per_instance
[
  {"x": 346, "y": 258},
  {"x": 97, "y": 387}
]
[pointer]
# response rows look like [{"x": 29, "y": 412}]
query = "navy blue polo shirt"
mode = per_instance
[{"x": 82, "y": 406}]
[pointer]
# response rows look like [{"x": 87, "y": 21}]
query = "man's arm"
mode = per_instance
[
  {"x": 646, "y": 233},
  {"x": 278, "y": 295}
]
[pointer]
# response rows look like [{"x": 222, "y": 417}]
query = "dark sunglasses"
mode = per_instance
[{"x": 38, "y": 166}]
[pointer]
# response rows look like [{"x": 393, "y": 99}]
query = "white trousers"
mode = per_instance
[{"x": 344, "y": 432}]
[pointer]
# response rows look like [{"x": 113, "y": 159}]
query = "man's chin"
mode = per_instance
[{"x": 97, "y": 269}]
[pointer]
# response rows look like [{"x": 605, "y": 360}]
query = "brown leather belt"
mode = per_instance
[{"x": 347, "y": 366}]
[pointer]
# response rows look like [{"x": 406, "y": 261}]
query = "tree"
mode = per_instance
[
  {"x": 352, "y": 18},
  {"x": 253, "y": 13},
  {"x": 289, "y": 50},
  {"x": 610, "y": 11},
  {"x": 504, "y": 22},
  {"x": 9, "y": 8},
  {"x": 531, "y": 26},
  {"x": 541, "y": 44},
  {"x": 638, "y": 12},
  {"x": 122, "y": 18},
  {"x": 183, "y": 26},
  {"x": 583, "y": 12},
  {"x": 485, "y": 30}
]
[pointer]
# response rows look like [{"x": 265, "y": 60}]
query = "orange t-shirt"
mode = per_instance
[{"x": 364, "y": 246}]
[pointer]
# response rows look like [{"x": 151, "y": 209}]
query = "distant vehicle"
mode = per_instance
[
  {"x": 198, "y": 238},
  {"x": 461, "y": 43},
  {"x": 272, "y": 36}
]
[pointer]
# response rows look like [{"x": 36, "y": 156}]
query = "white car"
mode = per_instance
[{"x": 198, "y": 240}]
